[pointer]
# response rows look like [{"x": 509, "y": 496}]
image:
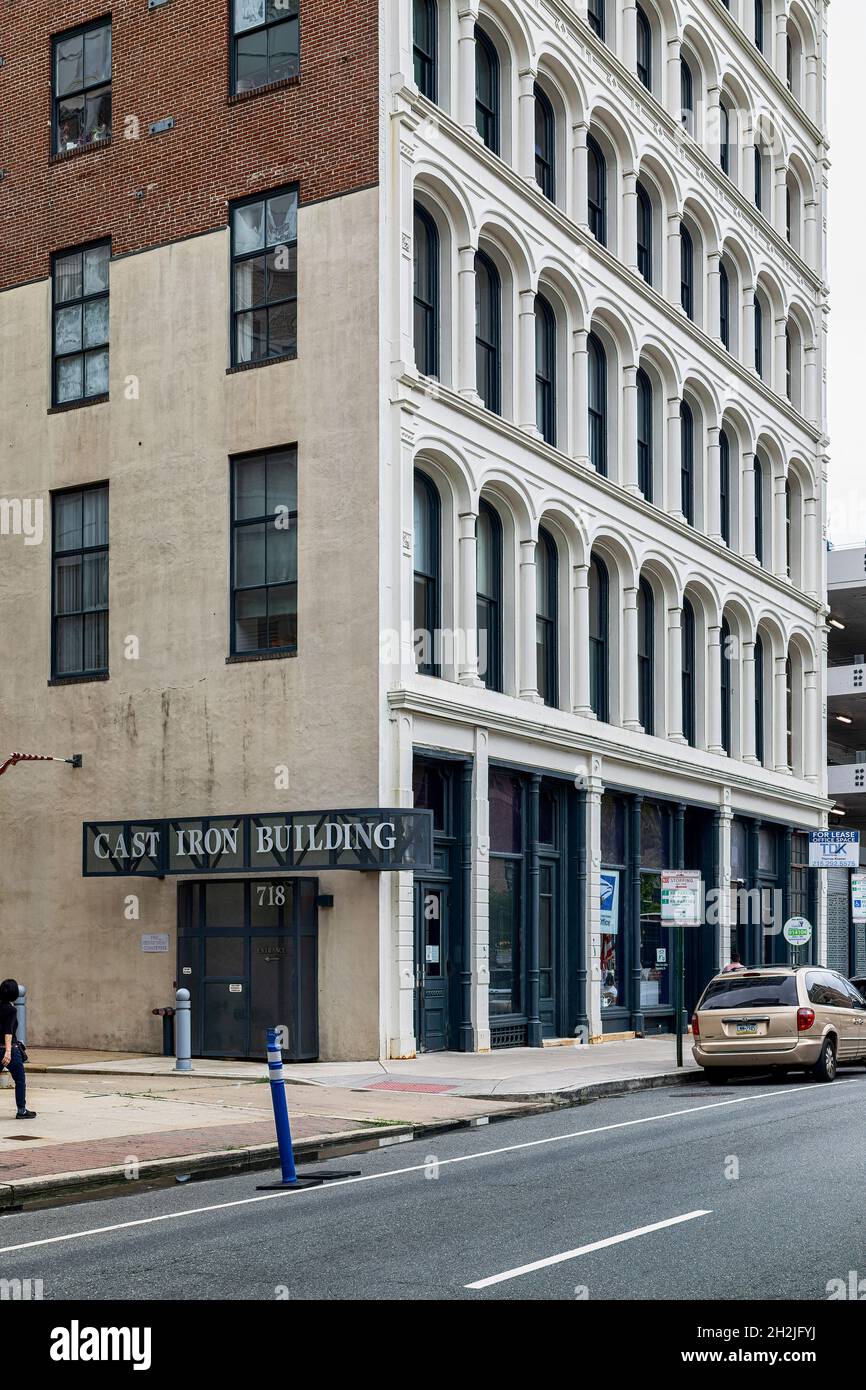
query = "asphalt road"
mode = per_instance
[{"x": 754, "y": 1191}]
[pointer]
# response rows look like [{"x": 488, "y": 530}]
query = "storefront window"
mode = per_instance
[
  {"x": 612, "y": 954},
  {"x": 431, "y": 793},
  {"x": 545, "y": 930},
  {"x": 654, "y": 835},
  {"x": 505, "y": 964},
  {"x": 505, "y": 808},
  {"x": 798, "y": 902},
  {"x": 547, "y": 808},
  {"x": 656, "y": 954},
  {"x": 767, "y": 851},
  {"x": 612, "y": 830}
]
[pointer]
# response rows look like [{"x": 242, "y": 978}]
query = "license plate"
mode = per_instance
[{"x": 746, "y": 1029}]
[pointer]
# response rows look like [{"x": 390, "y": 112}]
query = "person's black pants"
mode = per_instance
[{"x": 16, "y": 1071}]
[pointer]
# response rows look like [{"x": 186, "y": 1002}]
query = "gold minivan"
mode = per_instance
[{"x": 776, "y": 1017}]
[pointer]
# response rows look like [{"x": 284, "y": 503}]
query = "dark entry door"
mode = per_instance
[
  {"x": 248, "y": 953},
  {"x": 432, "y": 964}
]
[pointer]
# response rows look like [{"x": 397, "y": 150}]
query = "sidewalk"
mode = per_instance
[{"x": 107, "y": 1118}]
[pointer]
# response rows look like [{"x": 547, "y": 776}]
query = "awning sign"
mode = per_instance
[
  {"x": 682, "y": 898},
  {"x": 834, "y": 849},
  {"x": 303, "y": 841}
]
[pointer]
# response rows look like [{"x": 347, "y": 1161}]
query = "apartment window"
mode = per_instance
[
  {"x": 687, "y": 272},
  {"x": 546, "y": 616},
  {"x": 687, "y": 462},
  {"x": 265, "y": 277},
  {"x": 687, "y": 97},
  {"x": 725, "y": 307},
  {"x": 789, "y": 711},
  {"x": 489, "y": 595},
  {"x": 759, "y": 511},
  {"x": 426, "y": 293},
  {"x": 79, "y": 639},
  {"x": 599, "y": 588},
  {"x": 486, "y": 90},
  {"x": 759, "y": 337},
  {"x": 597, "y": 190},
  {"x": 264, "y": 579},
  {"x": 725, "y": 487},
  {"x": 644, "y": 234},
  {"x": 545, "y": 145},
  {"x": 688, "y": 684},
  {"x": 80, "y": 311},
  {"x": 424, "y": 47},
  {"x": 597, "y": 370},
  {"x": 759, "y": 698},
  {"x": 789, "y": 358},
  {"x": 644, "y": 49},
  {"x": 724, "y": 138},
  {"x": 645, "y": 654},
  {"x": 645, "y": 434},
  {"x": 81, "y": 75},
  {"x": 488, "y": 332},
  {"x": 759, "y": 25},
  {"x": 725, "y": 638},
  {"x": 265, "y": 43},
  {"x": 759, "y": 179},
  {"x": 545, "y": 369},
  {"x": 426, "y": 555},
  {"x": 595, "y": 16}
]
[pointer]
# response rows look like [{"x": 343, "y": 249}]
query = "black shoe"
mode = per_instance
[{"x": 26, "y": 1115}]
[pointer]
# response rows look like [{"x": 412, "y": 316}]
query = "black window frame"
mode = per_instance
[
  {"x": 759, "y": 179},
  {"x": 724, "y": 137},
  {"x": 644, "y": 233},
  {"x": 488, "y": 119},
  {"x": 644, "y": 48},
  {"x": 104, "y": 22},
  {"x": 545, "y": 153},
  {"x": 431, "y": 579},
  {"x": 599, "y": 646},
  {"x": 427, "y": 308},
  {"x": 545, "y": 385},
  {"x": 759, "y": 337},
  {"x": 425, "y": 60},
  {"x": 238, "y": 258},
  {"x": 491, "y": 677},
  {"x": 724, "y": 306},
  {"x": 596, "y": 196},
  {"x": 687, "y": 95},
  {"x": 645, "y": 434},
  {"x": 759, "y": 25},
  {"x": 266, "y": 519},
  {"x": 646, "y": 656},
  {"x": 687, "y": 462},
  {"x": 689, "y": 674},
  {"x": 595, "y": 17},
  {"x": 83, "y": 672},
  {"x": 725, "y": 487},
  {"x": 759, "y": 510},
  {"x": 82, "y": 300},
  {"x": 546, "y": 633},
  {"x": 491, "y": 395},
  {"x": 597, "y": 391},
  {"x": 726, "y": 687},
  {"x": 759, "y": 698},
  {"x": 265, "y": 27},
  {"x": 687, "y": 272}
]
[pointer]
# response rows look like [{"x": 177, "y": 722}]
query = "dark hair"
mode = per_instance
[
  {"x": 735, "y": 955},
  {"x": 8, "y": 991}
]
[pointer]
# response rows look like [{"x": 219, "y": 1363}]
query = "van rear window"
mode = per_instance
[{"x": 751, "y": 992}]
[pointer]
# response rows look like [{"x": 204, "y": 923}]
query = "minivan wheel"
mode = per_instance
[
  {"x": 825, "y": 1067},
  {"x": 716, "y": 1077}
]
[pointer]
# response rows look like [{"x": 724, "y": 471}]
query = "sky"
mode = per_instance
[{"x": 846, "y": 226}]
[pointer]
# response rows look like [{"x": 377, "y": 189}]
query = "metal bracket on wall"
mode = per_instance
[{"x": 157, "y": 127}]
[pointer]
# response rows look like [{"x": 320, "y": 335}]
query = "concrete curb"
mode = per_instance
[{"x": 55, "y": 1188}]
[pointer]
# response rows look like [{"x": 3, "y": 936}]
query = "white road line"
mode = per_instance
[
  {"x": 416, "y": 1168},
  {"x": 584, "y": 1250}
]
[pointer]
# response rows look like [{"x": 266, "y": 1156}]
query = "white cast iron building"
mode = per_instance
[{"x": 603, "y": 479}]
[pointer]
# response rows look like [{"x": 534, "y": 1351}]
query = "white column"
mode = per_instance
[
  {"x": 811, "y": 543},
  {"x": 467, "y": 360},
  {"x": 674, "y": 101},
  {"x": 628, "y": 458},
  {"x": 781, "y": 51},
  {"x": 580, "y": 211},
  {"x": 780, "y": 359},
  {"x": 811, "y": 727},
  {"x": 580, "y": 367},
  {"x": 528, "y": 618},
  {"x": 810, "y": 383},
  {"x": 580, "y": 683},
  {"x": 675, "y": 269},
  {"x": 628, "y": 249},
  {"x": 481, "y": 892},
  {"x": 747, "y": 507},
  {"x": 713, "y": 126},
  {"x": 466, "y": 16},
  {"x": 748, "y": 333},
  {"x": 724, "y": 885},
  {"x": 526, "y": 362},
  {"x": 713, "y": 511},
  {"x": 406, "y": 252},
  {"x": 674, "y": 501},
  {"x": 780, "y": 715},
  {"x": 748, "y": 743},
  {"x": 629, "y": 35},
  {"x": 780, "y": 200},
  {"x": 675, "y": 675},
  {"x": 780, "y": 528},
  {"x": 713, "y": 324},
  {"x": 811, "y": 93},
  {"x": 399, "y": 1019},
  {"x": 810, "y": 235},
  {"x": 714, "y": 690},
  {"x": 628, "y": 674},
  {"x": 526, "y": 125},
  {"x": 594, "y": 790},
  {"x": 467, "y": 672}
]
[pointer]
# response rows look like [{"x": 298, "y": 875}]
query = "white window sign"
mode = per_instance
[
  {"x": 858, "y": 897},
  {"x": 609, "y": 902},
  {"x": 834, "y": 849},
  {"x": 682, "y": 898}
]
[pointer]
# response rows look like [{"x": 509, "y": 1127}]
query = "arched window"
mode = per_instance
[
  {"x": 426, "y": 565},
  {"x": 546, "y": 617},
  {"x": 488, "y": 332},
  {"x": 644, "y": 49},
  {"x": 687, "y": 97},
  {"x": 597, "y": 190},
  {"x": 645, "y": 434},
  {"x": 597, "y": 395},
  {"x": 426, "y": 291},
  {"x": 725, "y": 307},
  {"x": 759, "y": 510},
  {"x": 645, "y": 655},
  {"x": 644, "y": 234},
  {"x": 489, "y": 595},
  {"x": 725, "y": 487},
  {"x": 598, "y": 637},
  {"x": 687, "y": 461},
  {"x": 687, "y": 271},
  {"x": 788, "y": 212},
  {"x": 689, "y": 674},
  {"x": 759, "y": 24},
  {"x": 595, "y": 16},
  {"x": 759, "y": 178},
  {"x": 789, "y": 711},
  {"x": 545, "y": 145},
  {"x": 486, "y": 90},
  {"x": 788, "y": 526},
  {"x": 545, "y": 369},
  {"x": 724, "y": 138},
  {"x": 725, "y": 639},
  {"x": 789, "y": 357},
  {"x": 789, "y": 61},
  {"x": 424, "y": 47},
  {"x": 759, "y": 698},
  {"x": 759, "y": 337}
]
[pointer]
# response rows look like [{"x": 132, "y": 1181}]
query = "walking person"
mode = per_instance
[
  {"x": 13, "y": 1056},
  {"x": 736, "y": 964}
]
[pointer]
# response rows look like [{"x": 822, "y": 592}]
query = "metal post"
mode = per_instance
[
  {"x": 183, "y": 1031},
  {"x": 21, "y": 1007},
  {"x": 290, "y": 1181}
]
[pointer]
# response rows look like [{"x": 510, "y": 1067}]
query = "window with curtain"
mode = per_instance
[
  {"x": 264, "y": 250},
  {"x": 644, "y": 233},
  {"x": 426, "y": 554},
  {"x": 687, "y": 271},
  {"x": 725, "y": 487},
  {"x": 489, "y": 595},
  {"x": 687, "y": 97},
  {"x": 759, "y": 510},
  {"x": 79, "y": 542},
  {"x": 546, "y": 617},
  {"x": 265, "y": 42},
  {"x": 488, "y": 332},
  {"x": 264, "y": 570},
  {"x": 595, "y": 16},
  {"x": 598, "y": 637},
  {"x": 645, "y": 655},
  {"x": 426, "y": 292},
  {"x": 425, "y": 47},
  {"x": 597, "y": 397},
  {"x": 81, "y": 87},
  {"x": 545, "y": 144},
  {"x": 687, "y": 462},
  {"x": 545, "y": 369},
  {"x": 597, "y": 190},
  {"x": 724, "y": 307},
  {"x": 487, "y": 77},
  {"x": 644, "y": 49},
  {"x": 725, "y": 638},
  {"x": 689, "y": 673},
  {"x": 79, "y": 286},
  {"x": 759, "y": 698},
  {"x": 645, "y": 434}
]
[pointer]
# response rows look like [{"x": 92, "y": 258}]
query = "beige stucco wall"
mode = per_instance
[{"x": 177, "y": 731}]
